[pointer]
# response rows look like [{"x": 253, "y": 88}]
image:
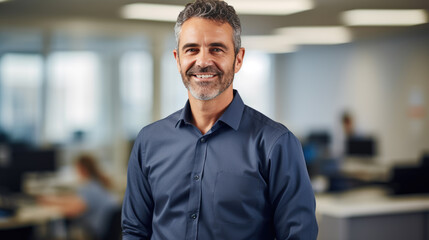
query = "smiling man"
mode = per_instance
[
  {"x": 216, "y": 169},
  {"x": 207, "y": 59}
]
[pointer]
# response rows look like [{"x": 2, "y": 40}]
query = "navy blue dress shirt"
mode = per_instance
[{"x": 244, "y": 179}]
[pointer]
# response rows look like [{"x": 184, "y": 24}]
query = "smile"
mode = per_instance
[{"x": 205, "y": 76}]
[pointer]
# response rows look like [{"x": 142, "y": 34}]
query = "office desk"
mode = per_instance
[
  {"x": 30, "y": 215},
  {"x": 29, "y": 222},
  {"x": 370, "y": 214}
]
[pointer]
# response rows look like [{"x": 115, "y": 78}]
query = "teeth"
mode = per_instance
[{"x": 204, "y": 76}]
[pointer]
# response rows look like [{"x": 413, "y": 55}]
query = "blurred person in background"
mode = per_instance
[
  {"x": 217, "y": 169},
  {"x": 348, "y": 125},
  {"x": 342, "y": 134},
  {"x": 93, "y": 207}
]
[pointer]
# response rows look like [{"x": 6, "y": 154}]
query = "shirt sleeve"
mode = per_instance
[
  {"x": 137, "y": 208},
  {"x": 291, "y": 193}
]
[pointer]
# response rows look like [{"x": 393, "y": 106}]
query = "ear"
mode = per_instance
[
  {"x": 239, "y": 59},
  {"x": 176, "y": 56}
]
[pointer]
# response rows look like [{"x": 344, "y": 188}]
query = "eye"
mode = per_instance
[
  {"x": 217, "y": 50},
  {"x": 191, "y": 50}
]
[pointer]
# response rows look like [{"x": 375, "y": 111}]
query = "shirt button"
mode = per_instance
[
  {"x": 196, "y": 177},
  {"x": 203, "y": 140},
  {"x": 193, "y": 216}
]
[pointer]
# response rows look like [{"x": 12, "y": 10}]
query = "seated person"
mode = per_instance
[{"x": 93, "y": 206}]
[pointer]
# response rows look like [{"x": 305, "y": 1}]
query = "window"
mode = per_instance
[
  {"x": 73, "y": 95},
  {"x": 174, "y": 94},
  {"x": 20, "y": 83},
  {"x": 136, "y": 91},
  {"x": 254, "y": 82}
]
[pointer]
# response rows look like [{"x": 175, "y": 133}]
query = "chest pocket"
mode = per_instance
[{"x": 238, "y": 199}]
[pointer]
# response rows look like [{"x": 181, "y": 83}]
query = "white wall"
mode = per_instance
[{"x": 383, "y": 82}]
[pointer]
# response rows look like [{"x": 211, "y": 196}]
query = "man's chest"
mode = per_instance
[{"x": 223, "y": 181}]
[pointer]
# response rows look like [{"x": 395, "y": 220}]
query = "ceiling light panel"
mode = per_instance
[
  {"x": 154, "y": 12},
  {"x": 316, "y": 35},
  {"x": 270, "y": 7},
  {"x": 371, "y": 17}
]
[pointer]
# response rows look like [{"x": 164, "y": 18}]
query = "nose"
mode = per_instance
[{"x": 204, "y": 59}]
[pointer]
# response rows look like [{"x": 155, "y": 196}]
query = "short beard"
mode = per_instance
[{"x": 205, "y": 96}]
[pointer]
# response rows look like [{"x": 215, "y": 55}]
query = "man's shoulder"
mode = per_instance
[
  {"x": 260, "y": 122},
  {"x": 161, "y": 126}
]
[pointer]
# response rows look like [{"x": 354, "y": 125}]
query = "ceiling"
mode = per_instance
[{"x": 325, "y": 13}]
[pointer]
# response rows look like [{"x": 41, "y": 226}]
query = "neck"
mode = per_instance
[{"x": 205, "y": 113}]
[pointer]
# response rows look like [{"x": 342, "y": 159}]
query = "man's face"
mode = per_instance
[{"x": 205, "y": 57}]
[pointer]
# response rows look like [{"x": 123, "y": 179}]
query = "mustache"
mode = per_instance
[{"x": 211, "y": 69}]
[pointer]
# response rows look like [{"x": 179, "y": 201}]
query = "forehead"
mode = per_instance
[{"x": 200, "y": 30}]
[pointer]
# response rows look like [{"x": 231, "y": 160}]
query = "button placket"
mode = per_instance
[{"x": 195, "y": 189}]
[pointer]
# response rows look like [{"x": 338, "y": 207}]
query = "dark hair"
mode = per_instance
[
  {"x": 89, "y": 164},
  {"x": 215, "y": 10},
  {"x": 346, "y": 118}
]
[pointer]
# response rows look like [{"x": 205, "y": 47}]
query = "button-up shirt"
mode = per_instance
[{"x": 244, "y": 179}]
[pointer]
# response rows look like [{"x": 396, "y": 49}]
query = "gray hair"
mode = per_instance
[{"x": 215, "y": 10}]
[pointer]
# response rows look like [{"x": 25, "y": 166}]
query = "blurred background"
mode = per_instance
[{"x": 349, "y": 78}]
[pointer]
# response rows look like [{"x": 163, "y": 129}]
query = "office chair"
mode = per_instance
[{"x": 114, "y": 230}]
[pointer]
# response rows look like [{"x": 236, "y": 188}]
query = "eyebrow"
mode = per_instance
[
  {"x": 218, "y": 45},
  {"x": 215, "y": 44},
  {"x": 189, "y": 45}
]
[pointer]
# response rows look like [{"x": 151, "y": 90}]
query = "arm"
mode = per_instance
[
  {"x": 70, "y": 205},
  {"x": 291, "y": 193},
  {"x": 137, "y": 206}
]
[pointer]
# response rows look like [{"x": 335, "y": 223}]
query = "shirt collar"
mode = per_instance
[
  {"x": 231, "y": 116},
  {"x": 185, "y": 115}
]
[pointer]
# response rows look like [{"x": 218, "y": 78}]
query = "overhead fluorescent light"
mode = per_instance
[
  {"x": 371, "y": 17},
  {"x": 270, "y": 7},
  {"x": 316, "y": 35},
  {"x": 268, "y": 43},
  {"x": 154, "y": 12}
]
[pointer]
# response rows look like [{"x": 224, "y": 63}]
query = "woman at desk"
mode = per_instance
[{"x": 93, "y": 206}]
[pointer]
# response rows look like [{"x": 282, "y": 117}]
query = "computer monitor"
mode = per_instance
[
  {"x": 361, "y": 147},
  {"x": 25, "y": 160},
  {"x": 35, "y": 160},
  {"x": 410, "y": 179}
]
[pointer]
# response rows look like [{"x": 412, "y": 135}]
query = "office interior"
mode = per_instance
[{"x": 82, "y": 77}]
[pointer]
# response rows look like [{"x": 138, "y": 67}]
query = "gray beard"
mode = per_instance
[{"x": 206, "y": 97}]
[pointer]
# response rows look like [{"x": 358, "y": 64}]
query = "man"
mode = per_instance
[{"x": 217, "y": 169}]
